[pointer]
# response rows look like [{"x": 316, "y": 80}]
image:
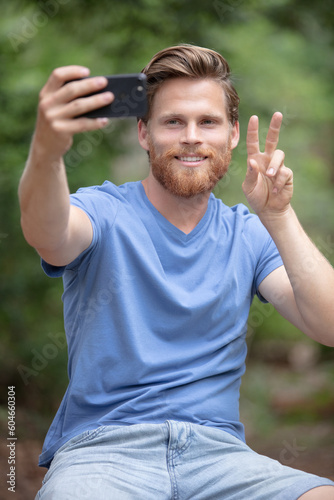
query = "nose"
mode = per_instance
[{"x": 191, "y": 134}]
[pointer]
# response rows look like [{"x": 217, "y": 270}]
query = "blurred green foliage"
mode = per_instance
[{"x": 281, "y": 55}]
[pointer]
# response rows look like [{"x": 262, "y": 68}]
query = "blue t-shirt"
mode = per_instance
[{"x": 156, "y": 319}]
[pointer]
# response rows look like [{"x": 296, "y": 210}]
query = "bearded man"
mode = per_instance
[{"x": 159, "y": 276}]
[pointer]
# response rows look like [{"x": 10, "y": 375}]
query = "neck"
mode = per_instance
[{"x": 184, "y": 213}]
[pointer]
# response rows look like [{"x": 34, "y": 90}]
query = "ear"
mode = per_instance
[
  {"x": 143, "y": 135},
  {"x": 235, "y": 135}
]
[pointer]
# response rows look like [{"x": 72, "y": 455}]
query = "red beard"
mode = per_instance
[{"x": 187, "y": 182}]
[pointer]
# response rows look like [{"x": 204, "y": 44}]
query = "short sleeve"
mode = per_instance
[
  {"x": 266, "y": 254},
  {"x": 101, "y": 208},
  {"x": 268, "y": 262}
]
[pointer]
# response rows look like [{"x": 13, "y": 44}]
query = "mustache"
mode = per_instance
[{"x": 199, "y": 151}]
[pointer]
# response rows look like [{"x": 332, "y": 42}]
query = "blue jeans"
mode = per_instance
[{"x": 169, "y": 461}]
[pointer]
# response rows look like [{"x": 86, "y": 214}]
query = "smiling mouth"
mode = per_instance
[{"x": 191, "y": 159}]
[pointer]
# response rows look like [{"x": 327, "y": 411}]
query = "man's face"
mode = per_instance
[{"x": 188, "y": 136}]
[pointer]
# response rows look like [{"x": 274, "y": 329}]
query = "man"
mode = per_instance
[{"x": 158, "y": 279}]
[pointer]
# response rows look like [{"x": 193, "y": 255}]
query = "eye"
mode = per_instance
[
  {"x": 208, "y": 121},
  {"x": 173, "y": 121}
]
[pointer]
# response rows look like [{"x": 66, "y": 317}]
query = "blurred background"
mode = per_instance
[{"x": 281, "y": 53}]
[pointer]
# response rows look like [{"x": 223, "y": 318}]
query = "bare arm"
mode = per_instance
[
  {"x": 58, "y": 231},
  {"x": 302, "y": 290}
]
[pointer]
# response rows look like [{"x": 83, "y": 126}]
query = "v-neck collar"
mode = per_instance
[{"x": 171, "y": 228}]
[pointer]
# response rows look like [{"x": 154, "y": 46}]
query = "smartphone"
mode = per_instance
[{"x": 130, "y": 97}]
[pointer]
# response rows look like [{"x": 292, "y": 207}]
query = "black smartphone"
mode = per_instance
[{"x": 130, "y": 97}]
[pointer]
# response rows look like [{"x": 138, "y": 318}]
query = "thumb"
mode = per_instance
[{"x": 251, "y": 177}]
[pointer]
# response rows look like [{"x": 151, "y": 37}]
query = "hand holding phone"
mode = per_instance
[
  {"x": 65, "y": 97},
  {"x": 130, "y": 97}
]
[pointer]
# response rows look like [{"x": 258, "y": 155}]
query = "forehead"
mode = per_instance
[{"x": 183, "y": 95}]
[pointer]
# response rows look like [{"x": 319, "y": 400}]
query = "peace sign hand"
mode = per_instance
[{"x": 268, "y": 184}]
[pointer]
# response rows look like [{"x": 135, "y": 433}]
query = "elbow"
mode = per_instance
[
  {"x": 326, "y": 338},
  {"x": 322, "y": 334},
  {"x": 42, "y": 240},
  {"x": 27, "y": 233}
]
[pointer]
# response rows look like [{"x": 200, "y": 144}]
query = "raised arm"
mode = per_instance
[
  {"x": 302, "y": 291},
  {"x": 58, "y": 231}
]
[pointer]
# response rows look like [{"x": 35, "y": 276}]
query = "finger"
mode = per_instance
[
  {"x": 79, "y": 88},
  {"x": 79, "y": 125},
  {"x": 273, "y": 133},
  {"x": 67, "y": 103},
  {"x": 276, "y": 162},
  {"x": 252, "y": 139},
  {"x": 63, "y": 74},
  {"x": 251, "y": 176},
  {"x": 80, "y": 106},
  {"x": 284, "y": 178}
]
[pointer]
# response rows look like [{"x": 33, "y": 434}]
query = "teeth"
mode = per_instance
[{"x": 191, "y": 158}]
